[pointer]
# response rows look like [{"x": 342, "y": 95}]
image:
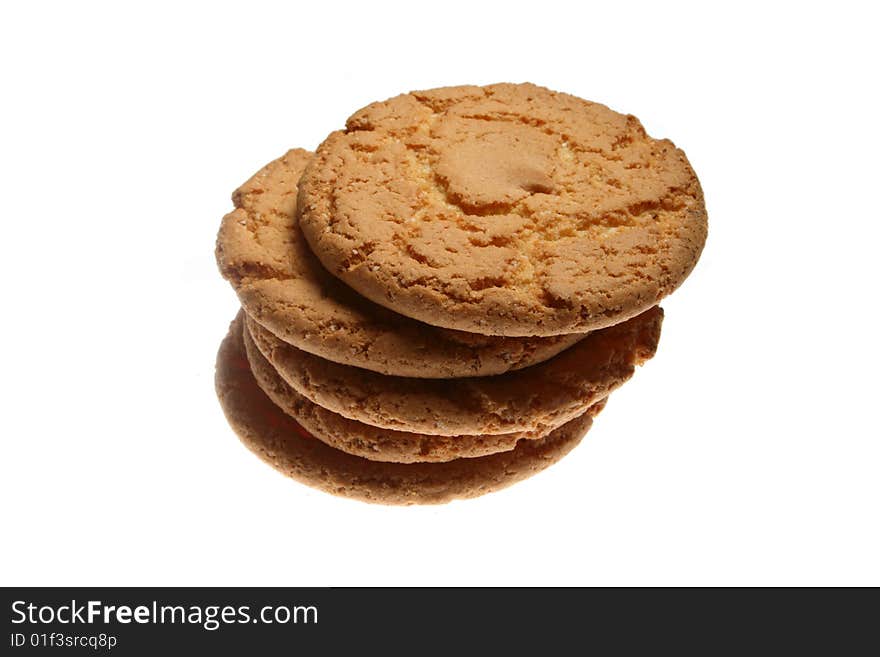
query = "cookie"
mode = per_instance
[
  {"x": 263, "y": 254},
  {"x": 278, "y": 440},
  {"x": 537, "y": 398},
  {"x": 508, "y": 210},
  {"x": 365, "y": 440}
]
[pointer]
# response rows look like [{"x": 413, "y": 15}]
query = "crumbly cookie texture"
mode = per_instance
[
  {"x": 371, "y": 442},
  {"x": 538, "y": 398},
  {"x": 280, "y": 441},
  {"x": 261, "y": 251},
  {"x": 508, "y": 209}
]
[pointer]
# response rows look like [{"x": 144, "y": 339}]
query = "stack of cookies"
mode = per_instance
[{"x": 438, "y": 302}]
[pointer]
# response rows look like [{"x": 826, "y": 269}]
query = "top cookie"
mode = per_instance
[
  {"x": 507, "y": 210},
  {"x": 262, "y": 252}
]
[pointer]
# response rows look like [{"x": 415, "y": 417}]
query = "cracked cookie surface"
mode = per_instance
[
  {"x": 262, "y": 253},
  {"x": 538, "y": 398},
  {"x": 280, "y": 441},
  {"x": 507, "y": 210}
]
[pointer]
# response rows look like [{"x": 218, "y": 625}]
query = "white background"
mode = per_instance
[{"x": 746, "y": 452}]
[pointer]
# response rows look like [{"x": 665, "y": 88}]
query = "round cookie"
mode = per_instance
[
  {"x": 537, "y": 398},
  {"x": 365, "y": 440},
  {"x": 508, "y": 210},
  {"x": 263, "y": 254},
  {"x": 279, "y": 441}
]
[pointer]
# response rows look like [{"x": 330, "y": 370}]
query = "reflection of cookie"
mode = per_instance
[
  {"x": 507, "y": 209},
  {"x": 536, "y": 398},
  {"x": 277, "y": 439},
  {"x": 365, "y": 440},
  {"x": 262, "y": 252}
]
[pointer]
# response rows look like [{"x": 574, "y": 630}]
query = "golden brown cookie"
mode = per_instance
[
  {"x": 508, "y": 210},
  {"x": 263, "y": 254},
  {"x": 365, "y": 440},
  {"x": 278, "y": 440},
  {"x": 537, "y": 398}
]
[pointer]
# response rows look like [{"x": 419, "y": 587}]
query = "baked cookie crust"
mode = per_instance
[
  {"x": 263, "y": 254},
  {"x": 365, "y": 440},
  {"x": 508, "y": 209},
  {"x": 280, "y": 441},
  {"x": 538, "y": 398}
]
